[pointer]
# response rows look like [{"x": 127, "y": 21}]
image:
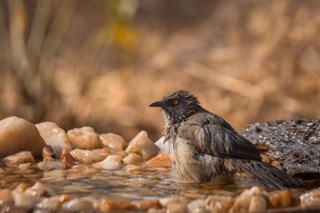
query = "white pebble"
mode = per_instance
[
  {"x": 84, "y": 138},
  {"x": 86, "y": 156},
  {"x": 19, "y": 158}
]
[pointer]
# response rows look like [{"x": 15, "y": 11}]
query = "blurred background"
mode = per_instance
[{"x": 101, "y": 63}]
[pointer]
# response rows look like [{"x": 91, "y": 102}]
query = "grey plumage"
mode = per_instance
[{"x": 204, "y": 147}]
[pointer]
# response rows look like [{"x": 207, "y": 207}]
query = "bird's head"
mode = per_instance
[{"x": 177, "y": 106}]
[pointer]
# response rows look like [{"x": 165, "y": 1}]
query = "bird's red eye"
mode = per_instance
[{"x": 175, "y": 102}]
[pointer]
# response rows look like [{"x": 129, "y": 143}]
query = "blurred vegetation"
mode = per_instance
[{"x": 100, "y": 63}]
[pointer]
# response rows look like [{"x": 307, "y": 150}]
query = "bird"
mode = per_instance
[{"x": 204, "y": 147}]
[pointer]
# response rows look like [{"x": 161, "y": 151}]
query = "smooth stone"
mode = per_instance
[
  {"x": 6, "y": 196},
  {"x": 54, "y": 136},
  {"x": 18, "y": 135},
  {"x": 111, "y": 162},
  {"x": 50, "y": 203},
  {"x": 77, "y": 204},
  {"x": 143, "y": 146},
  {"x": 113, "y": 141},
  {"x": 86, "y": 156},
  {"x": 50, "y": 165},
  {"x": 146, "y": 204},
  {"x": 216, "y": 203},
  {"x": 176, "y": 207},
  {"x": 311, "y": 198},
  {"x": 258, "y": 203},
  {"x": 197, "y": 206},
  {"x": 24, "y": 200},
  {"x": 132, "y": 159},
  {"x": 19, "y": 158},
  {"x": 84, "y": 138},
  {"x": 112, "y": 204},
  {"x": 283, "y": 199},
  {"x": 38, "y": 189},
  {"x": 67, "y": 159},
  {"x": 161, "y": 160}
]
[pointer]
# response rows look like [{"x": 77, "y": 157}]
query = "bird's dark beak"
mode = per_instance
[{"x": 156, "y": 104}]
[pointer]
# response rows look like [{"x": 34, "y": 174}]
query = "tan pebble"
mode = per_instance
[
  {"x": 257, "y": 204},
  {"x": 18, "y": 135},
  {"x": 47, "y": 153},
  {"x": 143, "y": 146},
  {"x": 161, "y": 160},
  {"x": 49, "y": 203},
  {"x": 66, "y": 158},
  {"x": 176, "y": 207},
  {"x": 216, "y": 203},
  {"x": 54, "y": 136},
  {"x": 113, "y": 141},
  {"x": 86, "y": 156},
  {"x": 197, "y": 206},
  {"x": 311, "y": 198},
  {"x": 132, "y": 168},
  {"x": 111, "y": 162},
  {"x": 77, "y": 204},
  {"x": 65, "y": 197},
  {"x": 146, "y": 204},
  {"x": 84, "y": 138},
  {"x": 6, "y": 197},
  {"x": 103, "y": 151},
  {"x": 24, "y": 200},
  {"x": 283, "y": 199},
  {"x": 110, "y": 205},
  {"x": 132, "y": 159},
  {"x": 38, "y": 189},
  {"x": 242, "y": 202},
  {"x": 19, "y": 158}
]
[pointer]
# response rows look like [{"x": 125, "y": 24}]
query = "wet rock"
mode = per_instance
[
  {"x": 50, "y": 203},
  {"x": 197, "y": 206},
  {"x": 84, "y": 138},
  {"x": 311, "y": 198},
  {"x": 67, "y": 159},
  {"x": 47, "y": 153},
  {"x": 77, "y": 204},
  {"x": 132, "y": 159},
  {"x": 176, "y": 207},
  {"x": 6, "y": 197},
  {"x": 161, "y": 160},
  {"x": 111, "y": 162},
  {"x": 216, "y": 203},
  {"x": 86, "y": 156},
  {"x": 243, "y": 201},
  {"x": 24, "y": 200},
  {"x": 54, "y": 136},
  {"x": 111, "y": 205},
  {"x": 19, "y": 158},
  {"x": 18, "y": 135},
  {"x": 283, "y": 199},
  {"x": 145, "y": 204},
  {"x": 143, "y": 146},
  {"x": 50, "y": 165},
  {"x": 38, "y": 189},
  {"x": 295, "y": 144},
  {"x": 113, "y": 141}
]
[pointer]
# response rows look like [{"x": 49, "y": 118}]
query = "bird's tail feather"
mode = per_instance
[{"x": 270, "y": 176}]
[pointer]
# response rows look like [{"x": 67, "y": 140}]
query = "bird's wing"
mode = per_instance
[{"x": 212, "y": 135}]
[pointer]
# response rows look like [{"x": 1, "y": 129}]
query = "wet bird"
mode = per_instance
[{"x": 204, "y": 147}]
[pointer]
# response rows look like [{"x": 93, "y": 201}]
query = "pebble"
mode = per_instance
[
  {"x": 84, "y": 138},
  {"x": 77, "y": 204},
  {"x": 176, "y": 207},
  {"x": 19, "y": 158},
  {"x": 24, "y": 200},
  {"x": 54, "y": 136},
  {"x": 311, "y": 198},
  {"x": 38, "y": 189},
  {"x": 242, "y": 202},
  {"x": 284, "y": 198},
  {"x": 146, "y": 204},
  {"x": 47, "y": 153},
  {"x": 110, "y": 205},
  {"x": 51, "y": 165},
  {"x": 132, "y": 159},
  {"x": 258, "y": 203},
  {"x": 161, "y": 160},
  {"x": 18, "y": 135},
  {"x": 6, "y": 196},
  {"x": 86, "y": 156},
  {"x": 111, "y": 162},
  {"x": 216, "y": 203},
  {"x": 67, "y": 159},
  {"x": 143, "y": 146},
  {"x": 50, "y": 203},
  {"x": 197, "y": 206},
  {"x": 113, "y": 141}
]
